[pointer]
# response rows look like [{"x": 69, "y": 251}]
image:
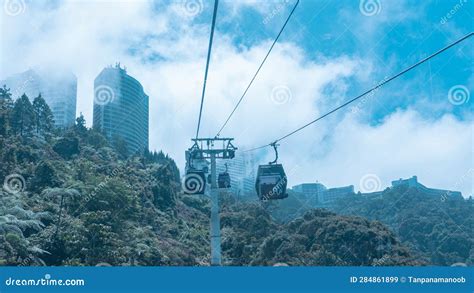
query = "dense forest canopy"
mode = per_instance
[
  {"x": 71, "y": 198},
  {"x": 438, "y": 231}
]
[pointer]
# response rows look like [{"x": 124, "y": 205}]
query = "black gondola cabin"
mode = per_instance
[
  {"x": 271, "y": 182},
  {"x": 223, "y": 181}
]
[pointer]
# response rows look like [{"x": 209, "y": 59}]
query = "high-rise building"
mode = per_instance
[
  {"x": 332, "y": 195},
  {"x": 242, "y": 170},
  {"x": 311, "y": 191},
  {"x": 318, "y": 194},
  {"x": 121, "y": 108},
  {"x": 413, "y": 183},
  {"x": 58, "y": 87},
  {"x": 328, "y": 196}
]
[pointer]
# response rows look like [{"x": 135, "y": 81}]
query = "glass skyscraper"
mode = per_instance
[
  {"x": 121, "y": 108},
  {"x": 57, "y": 87}
]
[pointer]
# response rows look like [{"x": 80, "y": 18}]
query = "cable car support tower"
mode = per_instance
[
  {"x": 205, "y": 148},
  {"x": 271, "y": 182}
]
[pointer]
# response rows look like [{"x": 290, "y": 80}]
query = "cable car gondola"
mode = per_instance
[
  {"x": 271, "y": 180},
  {"x": 195, "y": 178},
  {"x": 223, "y": 181}
]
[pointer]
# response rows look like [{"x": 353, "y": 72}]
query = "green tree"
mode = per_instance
[
  {"x": 44, "y": 121},
  {"x": 44, "y": 176},
  {"x": 6, "y": 106},
  {"x": 80, "y": 126},
  {"x": 120, "y": 146},
  {"x": 23, "y": 116},
  {"x": 420, "y": 220},
  {"x": 67, "y": 147},
  {"x": 96, "y": 139}
]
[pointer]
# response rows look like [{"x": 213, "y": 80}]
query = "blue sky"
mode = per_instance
[
  {"x": 398, "y": 35},
  {"x": 330, "y": 52}
]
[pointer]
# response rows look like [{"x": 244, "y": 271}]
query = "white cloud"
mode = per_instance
[
  {"x": 88, "y": 36},
  {"x": 440, "y": 152}
]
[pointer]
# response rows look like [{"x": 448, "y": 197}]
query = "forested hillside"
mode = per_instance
[
  {"x": 71, "y": 198},
  {"x": 75, "y": 202},
  {"x": 252, "y": 237},
  {"x": 438, "y": 231}
]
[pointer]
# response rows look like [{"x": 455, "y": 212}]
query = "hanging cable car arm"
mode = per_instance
[{"x": 274, "y": 145}]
